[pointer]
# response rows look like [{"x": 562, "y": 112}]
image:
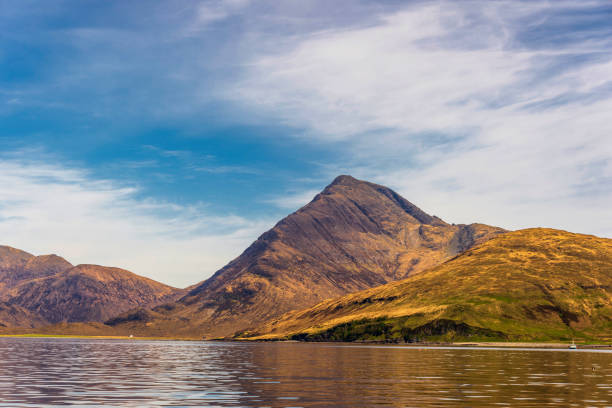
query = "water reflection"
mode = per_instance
[{"x": 39, "y": 372}]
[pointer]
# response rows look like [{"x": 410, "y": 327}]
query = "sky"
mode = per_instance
[{"x": 163, "y": 137}]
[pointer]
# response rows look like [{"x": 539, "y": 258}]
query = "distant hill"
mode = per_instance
[
  {"x": 17, "y": 266},
  {"x": 90, "y": 293},
  {"x": 534, "y": 284},
  {"x": 352, "y": 236},
  {"x": 39, "y": 290}
]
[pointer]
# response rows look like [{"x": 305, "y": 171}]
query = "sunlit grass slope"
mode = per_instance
[{"x": 533, "y": 284}]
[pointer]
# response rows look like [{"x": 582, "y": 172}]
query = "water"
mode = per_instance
[{"x": 51, "y": 372}]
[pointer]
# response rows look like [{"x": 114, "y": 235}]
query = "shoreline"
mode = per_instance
[
  {"x": 96, "y": 337},
  {"x": 509, "y": 345},
  {"x": 561, "y": 346}
]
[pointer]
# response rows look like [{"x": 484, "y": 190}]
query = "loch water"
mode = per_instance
[{"x": 39, "y": 372}]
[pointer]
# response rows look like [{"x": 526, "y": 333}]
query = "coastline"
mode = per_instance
[
  {"x": 509, "y": 345},
  {"x": 96, "y": 337}
]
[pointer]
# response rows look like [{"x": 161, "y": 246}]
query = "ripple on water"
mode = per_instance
[{"x": 51, "y": 372}]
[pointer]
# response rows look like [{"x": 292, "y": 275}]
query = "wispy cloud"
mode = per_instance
[
  {"x": 293, "y": 201},
  {"x": 198, "y": 162},
  {"x": 477, "y": 110},
  {"x": 221, "y": 169},
  {"x": 214, "y": 10},
  {"x": 48, "y": 207}
]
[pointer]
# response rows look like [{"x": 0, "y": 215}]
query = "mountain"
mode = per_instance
[
  {"x": 90, "y": 293},
  {"x": 17, "y": 266},
  {"x": 534, "y": 284},
  {"x": 352, "y": 236},
  {"x": 38, "y": 290},
  {"x": 16, "y": 316}
]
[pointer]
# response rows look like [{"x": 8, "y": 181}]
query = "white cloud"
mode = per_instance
[
  {"x": 489, "y": 131},
  {"x": 211, "y": 11},
  {"x": 294, "y": 201},
  {"x": 349, "y": 82},
  {"x": 50, "y": 208}
]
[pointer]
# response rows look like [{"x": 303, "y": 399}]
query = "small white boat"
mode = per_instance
[{"x": 573, "y": 345}]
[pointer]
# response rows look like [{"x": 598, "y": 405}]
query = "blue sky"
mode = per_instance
[{"x": 163, "y": 137}]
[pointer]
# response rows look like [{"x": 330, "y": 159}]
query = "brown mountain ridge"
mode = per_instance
[
  {"x": 17, "y": 266},
  {"x": 352, "y": 236},
  {"x": 38, "y": 290}
]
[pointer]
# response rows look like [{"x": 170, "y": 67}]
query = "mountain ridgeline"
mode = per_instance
[
  {"x": 352, "y": 236},
  {"x": 17, "y": 266},
  {"x": 39, "y": 290},
  {"x": 358, "y": 262}
]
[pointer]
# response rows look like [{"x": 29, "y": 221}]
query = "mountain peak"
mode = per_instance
[
  {"x": 353, "y": 235},
  {"x": 17, "y": 266},
  {"x": 346, "y": 180},
  {"x": 9, "y": 254},
  {"x": 375, "y": 199}
]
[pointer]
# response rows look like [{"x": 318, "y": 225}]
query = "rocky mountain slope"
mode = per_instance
[
  {"x": 17, "y": 316},
  {"x": 17, "y": 266},
  {"x": 534, "y": 284},
  {"x": 90, "y": 293},
  {"x": 353, "y": 235},
  {"x": 39, "y": 290}
]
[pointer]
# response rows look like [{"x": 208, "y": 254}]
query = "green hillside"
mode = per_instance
[{"x": 529, "y": 285}]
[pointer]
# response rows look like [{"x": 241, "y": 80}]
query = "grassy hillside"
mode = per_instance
[{"x": 533, "y": 284}]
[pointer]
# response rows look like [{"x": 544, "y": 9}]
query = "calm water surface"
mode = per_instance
[{"x": 51, "y": 372}]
